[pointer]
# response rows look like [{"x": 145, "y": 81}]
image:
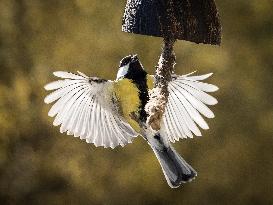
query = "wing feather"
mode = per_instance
[
  {"x": 196, "y": 77},
  {"x": 83, "y": 108},
  {"x": 200, "y": 85},
  {"x": 68, "y": 75},
  {"x": 186, "y": 123},
  {"x": 190, "y": 109},
  {"x": 187, "y": 104}
]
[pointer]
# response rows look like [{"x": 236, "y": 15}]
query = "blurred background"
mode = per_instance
[{"x": 38, "y": 165}]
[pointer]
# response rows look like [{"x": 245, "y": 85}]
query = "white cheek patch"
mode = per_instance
[{"x": 122, "y": 71}]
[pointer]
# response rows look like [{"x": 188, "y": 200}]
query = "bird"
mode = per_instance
[{"x": 109, "y": 113}]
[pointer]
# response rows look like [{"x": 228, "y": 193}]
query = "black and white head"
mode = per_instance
[{"x": 131, "y": 68}]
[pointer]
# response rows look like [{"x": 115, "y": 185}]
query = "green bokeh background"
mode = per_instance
[{"x": 38, "y": 165}]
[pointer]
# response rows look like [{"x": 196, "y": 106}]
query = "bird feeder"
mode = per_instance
[{"x": 190, "y": 20}]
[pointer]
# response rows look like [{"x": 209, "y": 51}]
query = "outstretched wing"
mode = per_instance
[
  {"x": 85, "y": 108},
  {"x": 187, "y": 104}
]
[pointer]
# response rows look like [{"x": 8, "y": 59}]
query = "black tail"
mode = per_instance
[{"x": 175, "y": 168}]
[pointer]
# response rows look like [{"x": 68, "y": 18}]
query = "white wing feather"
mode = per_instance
[
  {"x": 188, "y": 100},
  {"x": 83, "y": 108}
]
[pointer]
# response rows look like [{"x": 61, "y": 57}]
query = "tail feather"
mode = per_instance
[{"x": 175, "y": 168}]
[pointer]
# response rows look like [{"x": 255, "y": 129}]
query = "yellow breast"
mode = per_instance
[{"x": 128, "y": 98}]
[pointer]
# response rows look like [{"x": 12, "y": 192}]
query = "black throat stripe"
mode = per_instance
[{"x": 143, "y": 96}]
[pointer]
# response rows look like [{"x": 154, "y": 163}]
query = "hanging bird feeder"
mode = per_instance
[{"x": 190, "y": 20}]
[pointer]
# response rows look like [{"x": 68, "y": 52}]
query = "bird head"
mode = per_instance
[{"x": 131, "y": 68}]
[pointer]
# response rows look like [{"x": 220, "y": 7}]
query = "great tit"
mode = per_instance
[{"x": 111, "y": 113}]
